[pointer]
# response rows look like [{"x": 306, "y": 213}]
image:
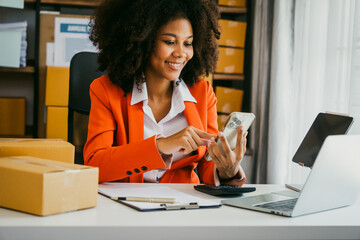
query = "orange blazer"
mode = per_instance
[{"x": 116, "y": 145}]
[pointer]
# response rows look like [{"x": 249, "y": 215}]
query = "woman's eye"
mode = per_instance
[
  {"x": 188, "y": 44},
  {"x": 169, "y": 42}
]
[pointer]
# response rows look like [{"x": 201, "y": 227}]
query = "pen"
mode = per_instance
[{"x": 146, "y": 199}]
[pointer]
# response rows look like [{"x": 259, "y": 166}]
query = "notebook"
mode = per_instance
[
  {"x": 334, "y": 182},
  {"x": 183, "y": 200}
]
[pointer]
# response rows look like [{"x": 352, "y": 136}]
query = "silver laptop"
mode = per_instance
[{"x": 333, "y": 182}]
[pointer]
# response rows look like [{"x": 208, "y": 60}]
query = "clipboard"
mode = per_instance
[{"x": 184, "y": 201}]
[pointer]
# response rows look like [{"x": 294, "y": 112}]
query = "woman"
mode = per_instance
[{"x": 152, "y": 119}]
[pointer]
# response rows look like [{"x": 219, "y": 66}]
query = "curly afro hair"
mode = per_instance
[{"x": 125, "y": 32}]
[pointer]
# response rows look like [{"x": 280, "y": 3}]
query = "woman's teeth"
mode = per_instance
[{"x": 174, "y": 64}]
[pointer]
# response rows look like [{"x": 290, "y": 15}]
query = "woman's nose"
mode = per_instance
[{"x": 179, "y": 52}]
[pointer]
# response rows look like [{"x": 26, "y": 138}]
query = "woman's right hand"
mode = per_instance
[{"x": 186, "y": 141}]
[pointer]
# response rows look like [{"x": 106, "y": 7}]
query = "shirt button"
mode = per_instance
[
  {"x": 129, "y": 173},
  {"x": 144, "y": 168},
  {"x": 136, "y": 170}
]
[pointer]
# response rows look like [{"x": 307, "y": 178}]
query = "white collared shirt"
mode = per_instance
[{"x": 172, "y": 123}]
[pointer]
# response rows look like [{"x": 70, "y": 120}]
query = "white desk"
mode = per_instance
[{"x": 112, "y": 220}]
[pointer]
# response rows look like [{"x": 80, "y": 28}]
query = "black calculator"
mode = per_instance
[{"x": 224, "y": 190}]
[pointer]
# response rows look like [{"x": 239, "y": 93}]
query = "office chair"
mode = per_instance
[{"x": 83, "y": 70}]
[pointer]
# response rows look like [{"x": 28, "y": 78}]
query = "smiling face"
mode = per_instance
[{"x": 173, "y": 49}]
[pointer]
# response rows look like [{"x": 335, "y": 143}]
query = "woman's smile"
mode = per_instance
[{"x": 175, "y": 66}]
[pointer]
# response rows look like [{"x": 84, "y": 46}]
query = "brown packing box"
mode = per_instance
[
  {"x": 44, "y": 187},
  {"x": 53, "y": 149},
  {"x": 233, "y": 33},
  {"x": 12, "y": 116},
  {"x": 231, "y": 60},
  {"x": 221, "y": 120},
  {"x": 232, "y": 3},
  {"x": 228, "y": 99},
  {"x": 57, "y": 86},
  {"x": 57, "y": 122}
]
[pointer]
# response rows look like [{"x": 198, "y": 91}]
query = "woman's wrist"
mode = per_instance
[
  {"x": 158, "y": 139},
  {"x": 227, "y": 178},
  {"x": 224, "y": 177},
  {"x": 227, "y": 172}
]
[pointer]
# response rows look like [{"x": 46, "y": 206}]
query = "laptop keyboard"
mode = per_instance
[{"x": 284, "y": 205}]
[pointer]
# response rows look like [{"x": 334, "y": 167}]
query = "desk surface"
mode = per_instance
[{"x": 111, "y": 219}]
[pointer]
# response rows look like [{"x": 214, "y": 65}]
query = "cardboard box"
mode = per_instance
[
  {"x": 231, "y": 60},
  {"x": 57, "y": 86},
  {"x": 229, "y": 99},
  {"x": 57, "y": 122},
  {"x": 12, "y": 116},
  {"x": 233, "y": 33},
  {"x": 53, "y": 149},
  {"x": 44, "y": 187},
  {"x": 232, "y": 3}
]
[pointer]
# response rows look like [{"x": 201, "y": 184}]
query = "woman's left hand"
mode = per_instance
[{"x": 228, "y": 163}]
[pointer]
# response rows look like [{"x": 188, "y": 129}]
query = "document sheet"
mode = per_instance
[{"x": 128, "y": 190}]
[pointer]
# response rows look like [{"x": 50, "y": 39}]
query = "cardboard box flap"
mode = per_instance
[
  {"x": 29, "y": 141},
  {"x": 37, "y": 165},
  {"x": 52, "y": 149}
]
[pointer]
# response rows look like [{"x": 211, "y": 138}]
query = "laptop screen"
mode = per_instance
[{"x": 324, "y": 125}]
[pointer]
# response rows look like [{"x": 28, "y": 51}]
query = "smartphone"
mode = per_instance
[{"x": 234, "y": 120}]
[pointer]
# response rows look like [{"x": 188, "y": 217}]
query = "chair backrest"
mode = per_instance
[{"x": 83, "y": 70}]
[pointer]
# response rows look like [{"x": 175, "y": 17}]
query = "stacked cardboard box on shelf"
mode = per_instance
[
  {"x": 232, "y": 33},
  {"x": 232, "y": 3},
  {"x": 229, "y": 100},
  {"x": 56, "y": 101},
  {"x": 231, "y": 50},
  {"x": 231, "y": 61},
  {"x": 12, "y": 116}
]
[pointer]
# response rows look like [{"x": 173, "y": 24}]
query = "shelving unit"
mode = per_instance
[
  {"x": 20, "y": 82},
  {"x": 28, "y": 69},
  {"x": 231, "y": 80},
  {"x": 238, "y": 14},
  {"x": 88, "y": 3},
  {"x": 234, "y": 10},
  {"x": 224, "y": 76}
]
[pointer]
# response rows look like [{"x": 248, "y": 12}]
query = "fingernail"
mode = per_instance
[{"x": 221, "y": 134}]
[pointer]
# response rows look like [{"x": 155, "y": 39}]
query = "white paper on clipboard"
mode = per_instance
[{"x": 127, "y": 190}]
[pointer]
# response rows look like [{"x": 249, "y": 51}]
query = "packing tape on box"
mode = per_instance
[
  {"x": 71, "y": 201},
  {"x": 30, "y": 140},
  {"x": 63, "y": 169}
]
